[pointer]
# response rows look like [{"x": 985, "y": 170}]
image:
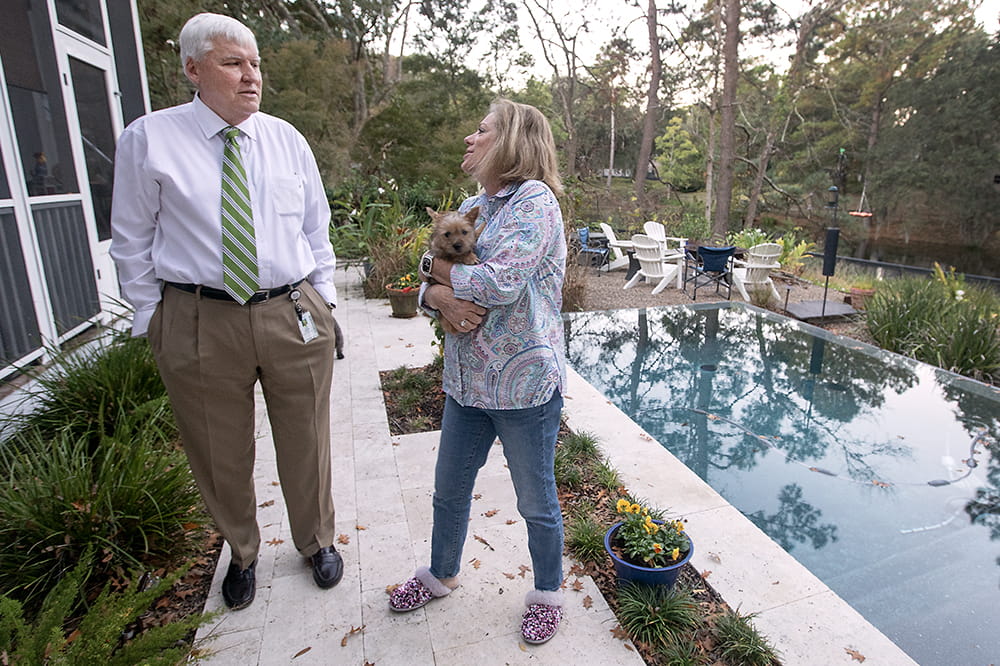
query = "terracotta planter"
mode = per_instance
[
  {"x": 859, "y": 297},
  {"x": 633, "y": 573},
  {"x": 404, "y": 303}
]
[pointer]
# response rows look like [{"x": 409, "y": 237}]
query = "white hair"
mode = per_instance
[{"x": 200, "y": 32}]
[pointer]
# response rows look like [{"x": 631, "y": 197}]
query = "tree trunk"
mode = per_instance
[
  {"x": 611, "y": 146},
  {"x": 652, "y": 103},
  {"x": 727, "y": 129}
]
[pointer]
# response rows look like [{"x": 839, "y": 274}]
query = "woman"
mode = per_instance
[{"x": 504, "y": 373}]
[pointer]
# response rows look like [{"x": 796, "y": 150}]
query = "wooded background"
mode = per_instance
[{"x": 897, "y": 100}]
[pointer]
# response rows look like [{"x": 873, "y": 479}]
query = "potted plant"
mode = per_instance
[
  {"x": 862, "y": 287},
  {"x": 403, "y": 292},
  {"x": 645, "y": 549}
]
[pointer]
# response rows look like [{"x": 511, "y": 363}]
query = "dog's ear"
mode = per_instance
[
  {"x": 472, "y": 214},
  {"x": 435, "y": 216}
]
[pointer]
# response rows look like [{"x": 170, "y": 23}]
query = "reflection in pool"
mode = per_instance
[{"x": 878, "y": 473}]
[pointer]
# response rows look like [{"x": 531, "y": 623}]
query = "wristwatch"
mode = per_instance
[{"x": 426, "y": 265}]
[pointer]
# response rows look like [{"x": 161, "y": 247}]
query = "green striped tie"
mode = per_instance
[{"x": 239, "y": 250}]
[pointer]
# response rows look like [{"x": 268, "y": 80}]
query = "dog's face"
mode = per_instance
[{"x": 454, "y": 234}]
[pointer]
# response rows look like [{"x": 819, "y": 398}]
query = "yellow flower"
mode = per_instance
[
  {"x": 657, "y": 548},
  {"x": 622, "y": 506},
  {"x": 635, "y": 508},
  {"x": 676, "y": 553}
]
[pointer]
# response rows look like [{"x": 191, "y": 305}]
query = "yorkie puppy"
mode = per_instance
[{"x": 454, "y": 239}]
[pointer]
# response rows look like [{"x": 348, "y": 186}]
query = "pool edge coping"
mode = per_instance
[{"x": 806, "y": 621}]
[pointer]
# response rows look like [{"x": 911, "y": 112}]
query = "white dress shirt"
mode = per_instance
[{"x": 166, "y": 222}]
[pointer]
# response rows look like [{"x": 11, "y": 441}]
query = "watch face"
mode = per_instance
[{"x": 425, "y": 264}]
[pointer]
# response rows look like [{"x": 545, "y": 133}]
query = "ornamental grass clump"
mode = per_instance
[{"x": 647, "y": 541}]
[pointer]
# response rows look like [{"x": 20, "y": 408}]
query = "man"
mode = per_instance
[{"x": 221, "y": 240}]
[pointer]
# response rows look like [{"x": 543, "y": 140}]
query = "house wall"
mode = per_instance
[{"x": 71, "y": 78}]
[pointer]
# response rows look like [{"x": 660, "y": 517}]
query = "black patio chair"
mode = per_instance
[{"x": 705, "y": 266}]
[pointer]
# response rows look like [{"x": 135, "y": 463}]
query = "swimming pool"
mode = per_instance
[{"x": 877, "y": 473}]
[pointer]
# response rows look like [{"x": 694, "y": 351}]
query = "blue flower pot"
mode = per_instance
[{"x": 631, "y": 573}]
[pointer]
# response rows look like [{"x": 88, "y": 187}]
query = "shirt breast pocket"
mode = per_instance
[{"x": 289, "y": 196}]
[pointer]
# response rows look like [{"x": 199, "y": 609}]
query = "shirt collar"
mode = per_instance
[
  {"x": 211, "y": 124},
  {"x": 507, "y": 190}
]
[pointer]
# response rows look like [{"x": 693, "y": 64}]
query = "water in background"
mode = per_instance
[{"x": 878, "y": 473}]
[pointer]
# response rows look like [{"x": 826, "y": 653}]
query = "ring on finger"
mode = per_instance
[{"x": 463, "y": 323}]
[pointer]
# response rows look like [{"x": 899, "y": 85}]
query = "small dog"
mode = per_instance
[{"x": 454, "y": 238}]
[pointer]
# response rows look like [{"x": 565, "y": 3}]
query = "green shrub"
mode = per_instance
[
  {"x": 740, "y": 643},
  {"x": 941, "y": 322},
  {"x": 584, "y": 535},
  {"x": 87, "y": 391},
  {"x": 97, "y": 639},
  {"x": 606, "y": 475},
  {"x": 656, "y": 614},
  {"x": 682, "y": 651},
  {"x": 748, "y": 237},
  {"x": 568, "y": 472},
  {"x": 127, "y": 497},
  {"x": 582, "y": 446}
]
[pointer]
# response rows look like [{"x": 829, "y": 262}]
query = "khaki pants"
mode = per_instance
[{"x": 211, "y": 353}]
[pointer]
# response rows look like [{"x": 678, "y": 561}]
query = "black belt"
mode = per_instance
[{"x": 221, "y": 295}]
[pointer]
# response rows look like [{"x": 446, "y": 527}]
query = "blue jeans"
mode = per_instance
[{"x": 529, "y": 444}]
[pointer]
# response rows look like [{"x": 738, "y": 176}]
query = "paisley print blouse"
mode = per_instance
[{"x": 515, "y": 358}]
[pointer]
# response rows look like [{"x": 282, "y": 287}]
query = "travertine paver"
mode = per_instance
[{"x": 382, "y": 491}]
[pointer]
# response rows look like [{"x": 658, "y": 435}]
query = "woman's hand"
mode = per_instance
[{"x": 464, "y": 315}]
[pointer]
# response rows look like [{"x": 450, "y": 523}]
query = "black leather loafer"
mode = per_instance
[
  {"x": 239, "y": 587},
  {"x": 328, "y": 567}
]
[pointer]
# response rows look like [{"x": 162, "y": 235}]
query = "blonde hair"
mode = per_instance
[{"x": 523, "y": 149}]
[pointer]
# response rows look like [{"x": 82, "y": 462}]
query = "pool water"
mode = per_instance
[{"x": 878, "y": 473}]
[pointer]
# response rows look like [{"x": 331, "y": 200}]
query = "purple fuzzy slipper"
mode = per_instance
[
  {"x": 416, "y": 592},
  {"x": 541, "y": 619}
]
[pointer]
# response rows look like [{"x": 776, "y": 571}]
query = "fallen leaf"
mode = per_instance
[
  {"x": 645, "y": 437},
  {"x": 275, "y": 542},
  {"x": 360, "y": 527},
  {"x": 475, "y": 563},
  {"x": 343, "y": 539},
  {"x": 587, "y": 601},
  {"x": 395, "y": 443},
  {"x": 577, "y": 570},
  {"x": 509, "y": 575},
  {"x": 275, "y": 483},
  {"x": 619, "y": 633},
  {"x": 483, "y": 541},
  {"x": 521, "y": 645},
  {"x": 491, "y": 513},
  {"x": 477, "y": 496},
  {"x": 577, "y": 585},
  {"x": 265, "y": 504},
  {"x": 301, "y": 652},
  {"x": 524, "y": 569},
  {"x": 511, "y": 521},
  {"x": 354, "y": 630},
  {"x": 706, "y": 573},
  {"x": 409, "y": 345},
  {"x": 390, "y": 588},
  {"x": 855, "y": 655}
]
